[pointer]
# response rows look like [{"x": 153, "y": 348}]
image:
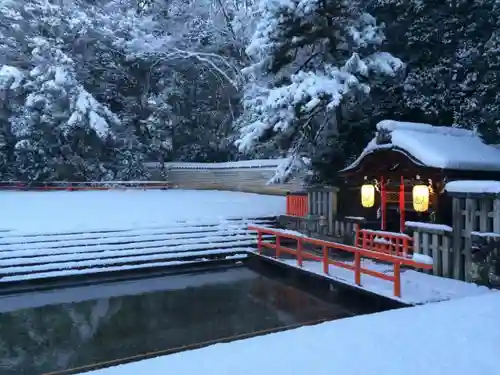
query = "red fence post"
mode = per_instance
[
  {"x": 383, "y": 204},
  {"x": 299, "y": 252},
  {"x": 402, "y": 205},
  {"x": 326, "y": 264},
  {"x": 357, "y": 268},
  {"x": 259, "y": 242},
  {"x": 397, "y": 279},
  {"x": 405, "y": 247}
]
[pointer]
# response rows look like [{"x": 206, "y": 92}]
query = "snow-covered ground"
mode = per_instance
[
  {"x": 416, "y": 287},
  {"x": 90, "y": 210},
  {"x": 436, "y": 339},
  {"x": 455, "y": 337}
]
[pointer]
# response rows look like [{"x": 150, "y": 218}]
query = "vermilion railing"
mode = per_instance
[
  {"x": 359, "y": 253},
  {"x": 398, "y": 244},
  {"x": 296, "y": 204},
  {"x": 81, "y": 186}
]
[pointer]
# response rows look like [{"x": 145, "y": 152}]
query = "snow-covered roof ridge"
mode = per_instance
[
  {"x": 439, "y": 147},
  {"x": 255, "y": 163},
  {"x": 391, "y": 125}
]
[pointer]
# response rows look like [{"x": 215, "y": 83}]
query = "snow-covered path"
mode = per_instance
[
  {"x": 417, "y": 287},
  {"x": 456, "y": 337}
]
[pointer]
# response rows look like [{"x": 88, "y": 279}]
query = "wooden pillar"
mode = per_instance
[
  {"x": 458, "y": 228},
  {"x": 383, "y": 205},
  {"x": 402, "y": 205}
]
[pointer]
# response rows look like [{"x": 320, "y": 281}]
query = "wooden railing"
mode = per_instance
[
  {"x": 296, "y": 204},
  {"x": 398, "y": 244},
  {"x": 358, "y": 253}
]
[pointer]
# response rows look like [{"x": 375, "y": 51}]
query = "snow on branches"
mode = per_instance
[{"x": 309, "y": 57}]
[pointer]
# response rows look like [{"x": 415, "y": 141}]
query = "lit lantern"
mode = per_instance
[
  {"x": 368, "y": 195},
  {"x": 420, "y": 198}
]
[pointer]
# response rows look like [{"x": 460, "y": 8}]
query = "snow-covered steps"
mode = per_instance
[{"x": 28, "y": 256}]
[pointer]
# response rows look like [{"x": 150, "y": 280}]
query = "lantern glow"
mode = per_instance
[
  {"x": 367, "y": 195},
  {"x": 420, "y": 198}
]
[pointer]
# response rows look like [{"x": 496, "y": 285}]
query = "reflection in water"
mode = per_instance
[{"x": 71, "y": 334}]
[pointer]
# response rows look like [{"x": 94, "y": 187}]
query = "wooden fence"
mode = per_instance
[
  {"x": 323, "y": 202},
  {"x": 297, "y": 204},
  {"x": 247, "y": 176},
  {"x": 339, "y": 229},
  {"x": 435, "y": 240},
  {"x": 322, "y": 218},
  {"x": 476, "y": 219}
]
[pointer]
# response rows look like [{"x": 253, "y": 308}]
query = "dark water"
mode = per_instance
[{"x": 49, "y": 331}]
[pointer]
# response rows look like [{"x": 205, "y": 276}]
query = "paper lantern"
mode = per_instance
[
  {"x": 368, "y": 195},
  {"x": 420, "y": 198}
]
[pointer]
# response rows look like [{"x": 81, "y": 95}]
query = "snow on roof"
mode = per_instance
[
  {"x": 257, "y": 163},
  {"x": 475, "y": 187},
  {"x": 436, "y": 146}
]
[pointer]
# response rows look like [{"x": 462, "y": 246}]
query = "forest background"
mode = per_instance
[{"x": 92, "y": 89}]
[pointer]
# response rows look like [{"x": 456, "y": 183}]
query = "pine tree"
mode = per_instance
[
  {"x": 312, "y": 62},
  {"x": 11, "y": 81},
  {"x": 451, "y": 48},
  {"x": 61, "y": 128}
]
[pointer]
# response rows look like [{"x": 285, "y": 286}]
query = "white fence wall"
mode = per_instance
[{"x": 247, "y": 176}]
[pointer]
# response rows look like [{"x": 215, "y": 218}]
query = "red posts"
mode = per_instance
[
  {"x": 296, "y": 204},
  {"x": 357, "y": 268},
  {"x": 357, "y": 236},
  {"x": 402, "y": 205},
  {"x": 299, "y": 252},
  {"x": 326, "y": 264},
  {"x": 406, "y": 246},
  {"x": 397, "y": 279},
  {"x": 397, "y": 244},
  {"x": 259, "y": 242},
  {"x": 389, "y": 256},
  {"x": 383, "y": 205}
]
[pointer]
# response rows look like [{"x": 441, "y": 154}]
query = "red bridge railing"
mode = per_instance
[
  {"x": 296, "y": 204},
  {"x": 398, "y": 244},
  {"x": 300, "y": 253}
]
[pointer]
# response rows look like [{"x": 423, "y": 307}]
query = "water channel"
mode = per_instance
[{"x": 48, "y": 331}]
